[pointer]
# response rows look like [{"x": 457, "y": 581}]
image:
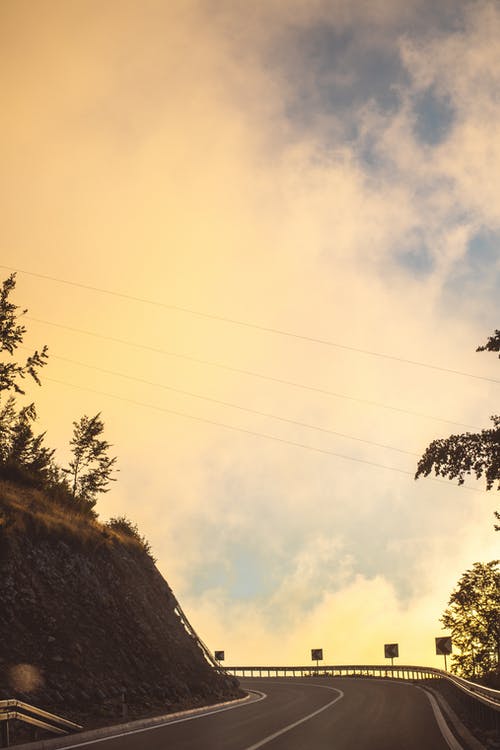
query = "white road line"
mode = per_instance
[
  {"x": 166, "y": 723},
  {"x": 271, "y": 737},
  {"x": 450, "y": 738}
]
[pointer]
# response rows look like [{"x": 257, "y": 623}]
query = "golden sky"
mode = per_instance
[{"x": 319, "y": 168}]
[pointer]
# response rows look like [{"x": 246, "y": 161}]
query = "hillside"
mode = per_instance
[{"x": 85, "y": 614}]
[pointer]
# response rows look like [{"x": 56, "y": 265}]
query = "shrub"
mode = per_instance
[{"x": 125, "y": 527}]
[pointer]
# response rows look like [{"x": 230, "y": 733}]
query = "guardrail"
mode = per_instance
[
  {"x": 481, "y": 704},
  {"x": 403, "y": 672},
  {"x": 18, "y": 710},
  {"x": 192, "y": 632}
]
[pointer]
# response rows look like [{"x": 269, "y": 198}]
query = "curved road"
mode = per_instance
[{"x": 344, "y": 714}]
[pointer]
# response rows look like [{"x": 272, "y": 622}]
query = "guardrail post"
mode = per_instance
[
  {"x": 124, "y": 703},
  {"x": 4, "y": 733}
]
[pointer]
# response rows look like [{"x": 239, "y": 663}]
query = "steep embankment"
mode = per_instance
[{"x": 85, "y": 613}]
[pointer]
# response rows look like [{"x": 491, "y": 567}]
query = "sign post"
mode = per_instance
[
  {"x": 443, "y": 647},
  {"x": 317, "y": 656},
  {"x": 219, "y": 655},
  {"x": 391, "y": 651}
]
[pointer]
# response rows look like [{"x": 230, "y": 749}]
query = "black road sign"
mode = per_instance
[
  {"x": 317, "y": 654},
  {"x": 219, "y": 655},
  {"x": 391, "y": 650},
  {"x": 443, "y": 645}
]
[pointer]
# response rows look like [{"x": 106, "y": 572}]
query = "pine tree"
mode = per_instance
[
  {"x": 22, "y": 453},
  {"x": 7, "y": 419}
]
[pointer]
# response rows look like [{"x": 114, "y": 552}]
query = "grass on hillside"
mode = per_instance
[{"x": 30, "y": 511}]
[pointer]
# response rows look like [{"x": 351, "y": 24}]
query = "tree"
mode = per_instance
[
  {"x": 91, "y": 468},
  {"x": 11, "y": 336},
  {"x": 473, "y": 619},
  {"x": 27, "y": 449},
  {"x": 492, "y": 345},
  {"x": 7, "y": 419},
  {"x": 22, "y": 453},
  {"x": 469, "y": 453}
]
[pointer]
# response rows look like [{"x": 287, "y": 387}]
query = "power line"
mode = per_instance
[
  {"x": 235, "y": 406},
  {"x": 250, "y": 373},
  {"x": 244, "y": 431},
  {"x": 246, "y": 324}
]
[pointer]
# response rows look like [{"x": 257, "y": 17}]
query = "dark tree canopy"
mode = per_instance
[
  {"x": 471, "y": 453},
  {"x": 23, "y": 454},
  {"x": 492, "y": 345},
  {"x": 473, "y": 618},
  {"x": 11, "y": 336},
  {"x": 476, "y": 453}
]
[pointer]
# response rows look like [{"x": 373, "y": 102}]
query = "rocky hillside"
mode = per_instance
[{"x": 84, "y": 614}]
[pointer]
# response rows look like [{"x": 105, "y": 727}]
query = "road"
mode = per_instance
[{"x": 344, "y": 714}]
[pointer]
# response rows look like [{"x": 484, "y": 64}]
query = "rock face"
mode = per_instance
[{"x": 85, "y": 615}]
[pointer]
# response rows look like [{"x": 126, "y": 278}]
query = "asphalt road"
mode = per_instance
[{"x": 347, "y": 714}]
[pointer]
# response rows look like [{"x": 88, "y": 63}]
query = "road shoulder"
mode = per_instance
[{"x": 139, "y": 725}]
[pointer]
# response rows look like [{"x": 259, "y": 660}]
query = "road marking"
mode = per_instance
[
  {"x": 286, "y": 729},
  {"x": 448, "y": 735},
  {"x": 160, "y": 725}
]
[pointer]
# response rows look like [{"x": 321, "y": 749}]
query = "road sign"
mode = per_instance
[
  {"x": 219, "y": 655},
  {"x": 443, "y": 648},
  {"x": 317, "y": 654},
  {"x": 391, "y": 650},
  {"x": 443, "y": 645}
]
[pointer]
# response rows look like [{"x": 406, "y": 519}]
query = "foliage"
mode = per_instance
[
  {"x": 473, "y": 618},
  {"x": 469, "y": 453},
  {"x": 492, "y": 345},
  {"x": 22, "y": 453},
  {"x": 24, "y": 458},
  {"x": 125, "y": 526},
  {"x": 11, "y": 336},
  {"x": 91, "y": 468}
]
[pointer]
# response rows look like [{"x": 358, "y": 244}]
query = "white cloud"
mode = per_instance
[{"x": 165, "y": 164}]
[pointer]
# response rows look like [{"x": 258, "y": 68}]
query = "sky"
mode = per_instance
[{"x": 250, "y": 203}]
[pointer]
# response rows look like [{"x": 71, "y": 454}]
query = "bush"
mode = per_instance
[{"x": 124, "y": 526}]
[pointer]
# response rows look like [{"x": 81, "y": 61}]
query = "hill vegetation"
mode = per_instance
[
  {"x": 87, "y": 623},
  {"x": 86, "y": 618}
]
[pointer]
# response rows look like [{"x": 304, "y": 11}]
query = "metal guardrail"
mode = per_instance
[
  {"x": 478, "y": 705},
  {"x": 488, "y": 696},
  {"x": 18, "y": 710},
  {"x": 192, "y": 632}
]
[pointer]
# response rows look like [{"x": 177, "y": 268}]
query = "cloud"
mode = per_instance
[
  {"x": 469, "y": 156},
  {"x": 265, "y": 164}
]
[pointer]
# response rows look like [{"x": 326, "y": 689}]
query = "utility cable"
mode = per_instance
[
  {"x": 250, "y": 373},
  {"x": 246, "y": 324},
  {"x": 244, "y": 431},
  {"x": 234, "y": 406}
]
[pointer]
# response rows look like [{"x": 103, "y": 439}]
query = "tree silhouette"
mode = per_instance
[
  {"x": 472, "y": 616},
  {"x": 91, "y": 468},
  {"x": 23, "y": 455},
  {"x": 469, "y": 453},
  {"x": 11, "y": 336},
  {"x": 492, "y": 345}
]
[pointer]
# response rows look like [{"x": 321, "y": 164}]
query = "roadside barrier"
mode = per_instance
[
  {"x": 11, "y": 710},
  {"x": 480, "y": 703}
]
